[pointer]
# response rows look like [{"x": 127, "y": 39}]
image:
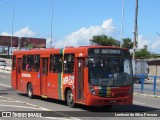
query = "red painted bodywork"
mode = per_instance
[{"x": 51, "y": 84}]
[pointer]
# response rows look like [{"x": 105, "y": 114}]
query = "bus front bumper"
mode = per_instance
[{"x": 93, "y": 100}]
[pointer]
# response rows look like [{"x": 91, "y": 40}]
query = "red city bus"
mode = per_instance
[{"x": 89, "y": 75}]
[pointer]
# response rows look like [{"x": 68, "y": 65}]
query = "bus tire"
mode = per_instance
[
  {"x": 30, "y": 91},
  {"x": 70, "y": 101}
]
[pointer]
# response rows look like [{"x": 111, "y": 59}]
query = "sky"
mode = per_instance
[{"x": 76, "y": 21}]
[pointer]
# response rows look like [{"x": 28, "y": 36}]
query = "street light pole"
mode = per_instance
[
  {"x": 12, "y": 27},
  {"x": 51, "y": 24},
  {"x": 122, "y": 23}
]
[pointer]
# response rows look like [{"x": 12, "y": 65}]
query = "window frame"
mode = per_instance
[{"x": 68, "y": 67}]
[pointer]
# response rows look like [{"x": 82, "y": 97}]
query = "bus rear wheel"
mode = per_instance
[
  {"x": 30, "y": 91},
  {"x": 70, "y": 101}
]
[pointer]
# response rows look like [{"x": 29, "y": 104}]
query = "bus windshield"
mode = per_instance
[{"x": 110, "y": 71}]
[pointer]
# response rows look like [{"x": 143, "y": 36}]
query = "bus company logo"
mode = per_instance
[
  {"x": 68, "y": 80},
  {"x": 26, "y": 75},
  {"x": 96, "y": 51}
]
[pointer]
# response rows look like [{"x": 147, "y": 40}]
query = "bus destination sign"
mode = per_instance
[
  {"x": 108, "y": 51},
  {"x": 105, "y": 51}
]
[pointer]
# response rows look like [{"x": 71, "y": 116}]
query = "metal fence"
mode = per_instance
[{"x": 147, "y": 84}]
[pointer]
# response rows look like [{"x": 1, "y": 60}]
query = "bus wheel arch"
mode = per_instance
[
  {"x": 30, "y": 90},
  {"x": 69, "y": 97}
]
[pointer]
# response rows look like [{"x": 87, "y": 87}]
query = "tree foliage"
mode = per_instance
[
  {"x": 104, "y": 40},
  {"x": 144, "y": 54},
  {"x": 127, "y": 43}
]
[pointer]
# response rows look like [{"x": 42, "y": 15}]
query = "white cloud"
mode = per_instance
[
  {"x": 142, "y": 41},
  {"x": 5, "y": 34},
  {"x": 82, "y": 36},
  {"x": 152, "y": 44},
  {"x": 24, "y": 32},
  {"x": 154, "y": 47}
]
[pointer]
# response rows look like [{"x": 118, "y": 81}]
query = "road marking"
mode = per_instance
[
  {"x": 35, "y": 106},
  {"x": 138, "y": 103},
  {"x": 57, "y": 118},
  {"x": 6, "y": 98},
  {"x": 38, "y": 107},
  {"x": 3, "y": 76},
  {"x": 5, "y": 85},
  {"x": 7, "y": 101},
  {"x": 20, "y": 106}
]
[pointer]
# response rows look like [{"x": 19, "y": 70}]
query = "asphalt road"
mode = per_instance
[{"x": 11, "y": 100}]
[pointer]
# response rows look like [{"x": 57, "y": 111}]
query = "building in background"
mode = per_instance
[
  {"x": 23, "y": 42},
  {"x": 19, "y": 43}
]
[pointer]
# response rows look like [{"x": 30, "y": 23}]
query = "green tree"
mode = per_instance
[
  {"x": 127, "y": 43},
  {"x": 104, "y": 40},
  {"x": 143, "y": 54}
]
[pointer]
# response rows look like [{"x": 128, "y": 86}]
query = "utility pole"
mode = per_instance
[
  {"x": 51, "y": 24},
  {"x": 135, "y": 36},
  {"x": 122, "y": 23},
  {"x": 12, "y": 4},
  {"x": 135, "y": 30},
  {"x": 12, "y": 29}
]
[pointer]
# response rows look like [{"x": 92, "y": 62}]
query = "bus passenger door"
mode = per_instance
[
  {"x": 80, "y": 80},
  {"x": 18, "y": 79},
  {"x": 44, "y": 75}
]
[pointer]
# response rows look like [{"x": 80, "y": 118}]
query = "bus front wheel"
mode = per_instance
[
  {"x": 70, "y": 101},
  {"x": 30, "y": 91}
]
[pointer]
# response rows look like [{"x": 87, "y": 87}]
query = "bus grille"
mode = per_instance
[{"x": 109, "y": 92}]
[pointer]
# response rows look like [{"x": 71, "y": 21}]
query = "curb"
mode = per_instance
[{"x": 147, "y": 95}]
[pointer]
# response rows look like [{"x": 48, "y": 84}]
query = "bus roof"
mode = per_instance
[{"x": 67, "y": 50}]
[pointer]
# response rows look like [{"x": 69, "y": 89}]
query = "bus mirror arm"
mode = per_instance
[{"x": 86, "y": 62}]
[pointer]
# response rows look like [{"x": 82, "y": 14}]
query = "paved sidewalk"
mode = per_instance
[{"x": 4, "y": 71}]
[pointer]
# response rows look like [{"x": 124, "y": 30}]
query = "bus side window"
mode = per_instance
[
  {"x": 24, "y": 62},
  {"x": 36, "y": 63},
  {"x": 57, "y": 63},
  {"x": 30, "y": 62},
  {"x": 68, "y": 63}
]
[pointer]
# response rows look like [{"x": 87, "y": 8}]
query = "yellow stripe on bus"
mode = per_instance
[{"x": 108, "y": 91}]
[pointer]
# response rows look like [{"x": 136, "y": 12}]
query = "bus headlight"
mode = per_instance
[{"x": 91, "y": 89}]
